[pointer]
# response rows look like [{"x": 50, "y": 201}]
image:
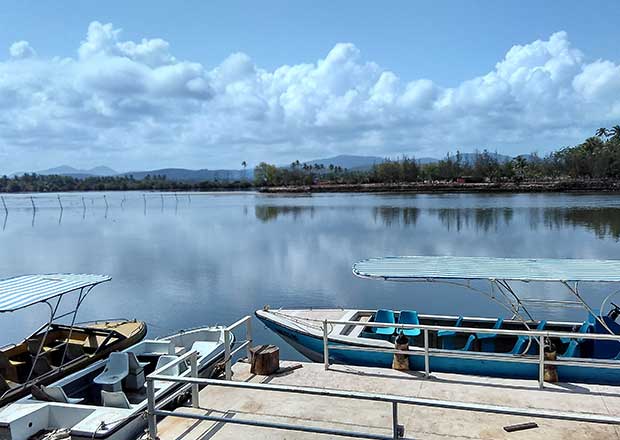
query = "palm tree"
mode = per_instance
[
  {"x": 615, "y": 131},
  {"x": 244, "y": 164},
  {"x": 602, "y": 132}
]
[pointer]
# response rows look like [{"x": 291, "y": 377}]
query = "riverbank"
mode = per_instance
[{"x": 425, "y": 187}]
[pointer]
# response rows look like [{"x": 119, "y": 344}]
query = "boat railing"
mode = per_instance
[
  {"x": 536, "y": 335},
  {"x": 155, "y": 408}
]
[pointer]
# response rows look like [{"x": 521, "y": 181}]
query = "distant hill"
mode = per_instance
[
  {"x": 65, "y": 170},
  {"x": 352, "y": 162},
  {"x": 186, "y": 175},
  {"x": 471, "y": 157},
  {"x": 349, "y": 162}
]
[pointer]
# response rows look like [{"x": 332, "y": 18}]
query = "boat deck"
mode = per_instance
[{"x": 375, "y": 417}]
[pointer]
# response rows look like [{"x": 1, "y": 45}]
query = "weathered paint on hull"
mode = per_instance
[{"x": 312, "y": 347}]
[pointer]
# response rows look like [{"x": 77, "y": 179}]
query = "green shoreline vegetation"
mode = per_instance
[{"x": 591, "y": 165}]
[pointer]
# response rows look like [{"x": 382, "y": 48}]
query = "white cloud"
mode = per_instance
[
  {"x": 21, "y": 49},
  {"x": 134, "y": 105}
]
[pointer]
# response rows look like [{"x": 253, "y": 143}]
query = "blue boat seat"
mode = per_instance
[
  {"x": 385, "y": 316},
  {"x": 522, "y": 340},
  {"x": 496, "y": 326},
  {"x": 446, "y": 337},
  {"x": 585, "y": 328},
  {"x": 469, "y": 344},
  {"x": 409, "y": 317},
  {"x": 573, "y": 348},
  {"x": 487, "y": 340},
  {"x": 444, "y": 333}
]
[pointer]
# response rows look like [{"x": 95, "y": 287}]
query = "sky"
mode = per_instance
[{"x": 150, "y": 84}]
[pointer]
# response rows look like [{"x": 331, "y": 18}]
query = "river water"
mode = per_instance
[{"x": 180, "y": 261}]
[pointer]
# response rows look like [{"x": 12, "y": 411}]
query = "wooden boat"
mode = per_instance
[
  {"x": 107, "y": 400},
  {"x": 56, "y": 350},
  {"x": 582, "y": 351}
]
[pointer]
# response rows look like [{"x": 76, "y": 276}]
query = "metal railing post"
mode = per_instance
[
  {"x": 150, "y": 409},
  {"x": 193, "y": 365},
  {"x": 248, "y": 337},
  {"x": 395, "y": 433},
  {"x": 227, "y": 356},
  {"x": 325, "y": 346},
  {"x": 427, "y": 362},
  {"x": 541, "y": 362}
]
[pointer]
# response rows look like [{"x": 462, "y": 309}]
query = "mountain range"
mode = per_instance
[
  {"x": 350, "y": 162},
  {"x": 65, "y": 170}
]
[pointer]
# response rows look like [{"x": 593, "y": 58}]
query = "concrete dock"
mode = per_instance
[{"x": 375, "y": 417}]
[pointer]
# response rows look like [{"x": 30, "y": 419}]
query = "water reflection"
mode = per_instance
[
  {"x": 268, "y": 213},
  {"x": 480, "y": 219},
  {"x": 604, "y": 222},
  {"x": 396, "y": 216}
]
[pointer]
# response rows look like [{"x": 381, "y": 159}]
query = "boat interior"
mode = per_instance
[
  {"x": 62, "y": 345},
  {"x": 120, "y": 380},
  {"x": 488, "y": 342}
]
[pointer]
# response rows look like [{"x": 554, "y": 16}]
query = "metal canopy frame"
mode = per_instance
[
  {"x": 55, "y": 317},
  {"x": 501, "y": 291}
]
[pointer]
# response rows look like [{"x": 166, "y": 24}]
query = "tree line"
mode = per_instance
[
  {"x": 31, "y": 182},
  {"x": 598, "y": 157}
]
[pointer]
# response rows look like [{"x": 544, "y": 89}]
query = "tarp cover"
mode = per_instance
[
  {"x": 476, "y": 268},
  {"x": 23, "y": 291}
]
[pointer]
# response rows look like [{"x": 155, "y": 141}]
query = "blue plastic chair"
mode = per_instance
[
  {"x": 483, "y": 336},
  {"x": 522, "y": 340},
  {"x": 446, "y": 336},
  {"x": 385, "y": 316},
  {"x": 444, "y": 333},
  {"x": 409, "y": 317},
  {"x": 585, "y": 328},
  {"x": 496, "y": 326},
  {"x": 573, "y": 348},
  {"x": 487, "y": 340},
  {"x": 469, "y": 344}
]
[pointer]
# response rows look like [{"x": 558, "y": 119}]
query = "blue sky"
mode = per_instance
[{"x": 406, "y": 77}]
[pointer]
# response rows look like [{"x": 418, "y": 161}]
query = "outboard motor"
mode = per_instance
[{"x": 614, "y": 312}]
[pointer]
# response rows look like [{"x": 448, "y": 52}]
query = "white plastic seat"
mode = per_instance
[
  {"x": 171, "y": 371},
  {"x": 116, "y": 369},
  {"x": 115, "y": 399},
  {"x": 135, "y": 379},
  {"x": 57, "y": 394}
]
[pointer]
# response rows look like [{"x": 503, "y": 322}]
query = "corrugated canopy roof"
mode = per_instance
[
  {"x": 476, "y": 268},
  {"x": 23, "y": 291}
]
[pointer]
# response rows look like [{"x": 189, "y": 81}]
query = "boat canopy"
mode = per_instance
[
  {"x": 486, "y": 268},
  {"x": 26, "y": 290}
]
